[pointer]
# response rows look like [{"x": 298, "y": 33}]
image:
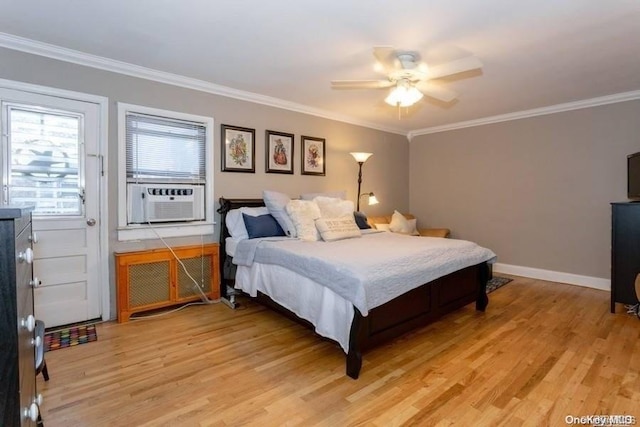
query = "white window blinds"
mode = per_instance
[{"x": 161, "y": 149}]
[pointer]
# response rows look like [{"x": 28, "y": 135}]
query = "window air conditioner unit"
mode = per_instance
[{"x": 164, "y": 203}]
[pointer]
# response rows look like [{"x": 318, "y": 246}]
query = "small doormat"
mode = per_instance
[
  {"x": 496, "y": 283},
  {"x": 69, "y": 337}
]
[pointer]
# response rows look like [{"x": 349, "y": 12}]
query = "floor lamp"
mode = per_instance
[{"x": 361, "y": 158}]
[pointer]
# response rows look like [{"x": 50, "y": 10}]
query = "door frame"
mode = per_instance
[{"x": 103, "y": 187}]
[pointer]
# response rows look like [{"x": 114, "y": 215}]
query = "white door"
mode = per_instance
[{"x": 50, "y": 158}]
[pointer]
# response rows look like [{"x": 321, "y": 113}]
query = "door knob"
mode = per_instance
[{"x": 91, "y": 222}]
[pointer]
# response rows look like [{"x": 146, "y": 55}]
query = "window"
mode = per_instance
[
  {"x": 43, "y": 148},
  {"x": 162, "y": 151},
  {"x": 165, "y": 150}
]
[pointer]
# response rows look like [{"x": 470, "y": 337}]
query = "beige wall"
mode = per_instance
[
  {"x": 536, "y": 190},
  {"x": 385, "y": 173}
]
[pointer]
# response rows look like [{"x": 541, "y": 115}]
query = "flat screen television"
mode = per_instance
[{"x": 633, "y": 176}]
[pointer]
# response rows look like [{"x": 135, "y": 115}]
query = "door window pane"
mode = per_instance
[{"x": 44, "y": 149}]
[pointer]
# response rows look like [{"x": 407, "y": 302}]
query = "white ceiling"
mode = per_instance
[{"x": 536, "y": 54}]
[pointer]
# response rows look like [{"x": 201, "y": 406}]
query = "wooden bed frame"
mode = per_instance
[{"x": 418, "y": 307}]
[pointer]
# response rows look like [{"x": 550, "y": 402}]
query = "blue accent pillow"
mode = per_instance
[
  {"x": 262, "y": 226},
  {"x": 361, "y": 220}
]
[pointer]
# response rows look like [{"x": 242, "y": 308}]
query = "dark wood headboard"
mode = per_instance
[{"x": 227, "y": 268}]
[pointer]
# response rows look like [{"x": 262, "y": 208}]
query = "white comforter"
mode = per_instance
[{"x": 371, "y": 270}]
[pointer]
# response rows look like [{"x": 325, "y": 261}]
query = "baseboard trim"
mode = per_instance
[{"x": 554, "y": 276}]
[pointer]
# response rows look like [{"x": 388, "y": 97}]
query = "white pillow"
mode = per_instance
[
  {"x": 304, "y": 213},
  {"x": 335, "y": 194},
  {"x": 400, "y": 224},
  {"x": 235, "y": 222},
  {"x": 331, "y": 207},
  {"x": 337, "y": 228},
  {"x": 276, "y": 203},
  {"x": 412, "y": 228},
  {"x": 382, "y": 226}
]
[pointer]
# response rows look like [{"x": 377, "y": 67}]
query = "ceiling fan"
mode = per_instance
[{"x": 409, "y": 77}]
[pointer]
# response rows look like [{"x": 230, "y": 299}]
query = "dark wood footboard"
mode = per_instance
[{"x": 416, "y": 308}]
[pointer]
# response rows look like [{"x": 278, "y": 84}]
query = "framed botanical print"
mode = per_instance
[
  {"x": 279, "y": 155},
  {"x": 238, "y": 149},
  {"x": 313, "y": 156}
]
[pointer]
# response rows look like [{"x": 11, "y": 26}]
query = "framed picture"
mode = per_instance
[
  {"x": 238, "y": 149},
  {"x": 279, "y": 156},
  {"x": 313, "y": 156}
]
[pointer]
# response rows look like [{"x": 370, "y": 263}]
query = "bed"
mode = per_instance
[{"x": 329, "y": 312}]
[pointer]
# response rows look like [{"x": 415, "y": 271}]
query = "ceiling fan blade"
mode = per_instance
[
  {"x": 438, "y": 92},
  {"x": 386, "y": 57},
  {"x": 361, "y": 84},
  {"x": 454, "y": 67}
]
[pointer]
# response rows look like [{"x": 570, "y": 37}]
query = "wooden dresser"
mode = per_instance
[
  {"x": 625, "y": 252},
  {"x": 18, "y": 397}
]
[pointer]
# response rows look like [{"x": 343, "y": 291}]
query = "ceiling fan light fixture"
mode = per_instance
[
  {"x": 405, "y": 72},
  {"x": 403, "y": 96}
]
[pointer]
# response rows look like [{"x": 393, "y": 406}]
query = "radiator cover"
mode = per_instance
[{"x": 153, "y": 279}]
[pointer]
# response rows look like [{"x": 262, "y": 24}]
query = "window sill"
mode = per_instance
[{"x": 145, "y": 232}]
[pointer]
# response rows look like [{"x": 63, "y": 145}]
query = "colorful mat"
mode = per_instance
[
  {"x": 496, "y": 283},
  {"x": 69, "y": 337}
]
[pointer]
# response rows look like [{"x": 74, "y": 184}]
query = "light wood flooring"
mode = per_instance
[{"x": 542, "y": 351}]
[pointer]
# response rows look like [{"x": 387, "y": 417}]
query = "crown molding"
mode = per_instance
[
  {"x": 76, "y": 57},
  {"x": 577, "y": 105},
  {"x": 22, "y": 44}
]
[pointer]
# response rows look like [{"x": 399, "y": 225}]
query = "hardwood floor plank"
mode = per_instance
[{"x": 540, "y": 352}]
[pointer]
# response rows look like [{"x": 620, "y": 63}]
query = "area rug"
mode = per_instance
[
  {"x": 496, "y": 283},
  {"x": 69, "y": 337}
]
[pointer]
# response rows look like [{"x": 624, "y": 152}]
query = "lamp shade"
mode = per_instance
[
  {"x": 372, "y": 199},
  {"x": 361, "y": 157},
  {"x": 403, "y": 96}
]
